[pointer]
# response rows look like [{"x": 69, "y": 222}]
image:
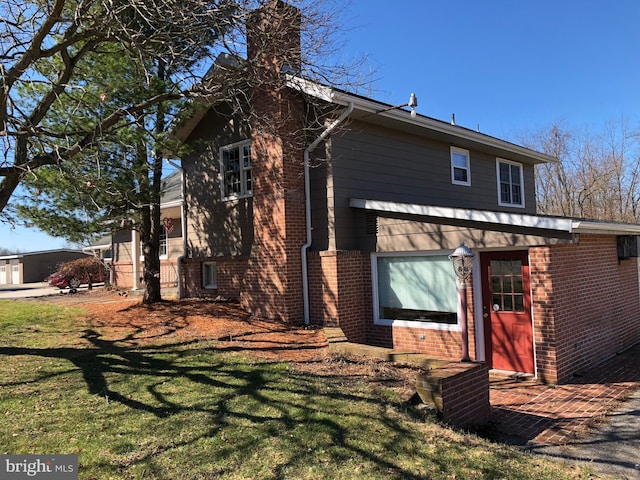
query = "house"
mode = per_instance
[
  {"x": 352, "y": 225},
  {"x": 122, "y": 252},
  {"x": 34, "y": 266}
]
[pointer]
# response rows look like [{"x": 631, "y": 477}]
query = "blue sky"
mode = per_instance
[{"x": 507, "y": 66}]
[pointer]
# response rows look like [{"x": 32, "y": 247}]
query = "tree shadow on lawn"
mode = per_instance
[{"x": 286, "y": 407}]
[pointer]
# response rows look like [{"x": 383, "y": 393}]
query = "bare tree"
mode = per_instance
[
  {"x": 47, "y": 47},
  {"x": 597, "y": 175}
]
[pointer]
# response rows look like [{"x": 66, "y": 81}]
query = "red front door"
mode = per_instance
[{"x": 507, "y": 311}]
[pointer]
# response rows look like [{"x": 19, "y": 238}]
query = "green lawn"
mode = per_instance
[{"x": 186, "y": 411}]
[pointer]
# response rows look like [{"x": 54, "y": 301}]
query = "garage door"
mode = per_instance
[{"x": 15, "y": 274}]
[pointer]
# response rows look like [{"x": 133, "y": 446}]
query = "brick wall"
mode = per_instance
[
  {"x": 436, "y": 343},
  {"x": 272, "y": 285},
  {"x": 460, "y": 392},
  {"x": 586, "y": 305},
  {"x": 230, "y": 273},
  {"x": 339, "y": 291},
  {"x": 544, "y": 329}
]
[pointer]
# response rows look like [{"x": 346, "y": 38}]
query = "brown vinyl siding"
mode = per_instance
[
  {"x": 375, "y": 163},
  {"x": 215, "y": 227}
]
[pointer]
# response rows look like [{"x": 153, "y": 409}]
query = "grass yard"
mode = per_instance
[{"x": 180, "y": 408}]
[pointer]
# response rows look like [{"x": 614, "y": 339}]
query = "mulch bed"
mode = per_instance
[{"x": 126, "y": 320}]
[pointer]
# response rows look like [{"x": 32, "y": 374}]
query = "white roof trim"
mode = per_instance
[
  {"x": 485, "y": 216},
  {"x": 331, "y": 95},
  {"x": 173, "y": 203}
]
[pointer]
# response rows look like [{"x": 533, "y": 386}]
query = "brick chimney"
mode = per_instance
[{"x": 272, "y": 286}]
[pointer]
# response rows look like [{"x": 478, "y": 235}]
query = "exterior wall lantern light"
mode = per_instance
[{"x": 462, "y": 261}]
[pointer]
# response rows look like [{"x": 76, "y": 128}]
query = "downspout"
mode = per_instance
[
  {"x": 183, "y": 224},
  {"x": 307, "y": 196}
]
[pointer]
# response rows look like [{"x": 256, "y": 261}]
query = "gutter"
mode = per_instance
[
  {"x": 307, "y": 195},
  {"x": 367, "y": 105},
  {"x": 561, "y": 224}
]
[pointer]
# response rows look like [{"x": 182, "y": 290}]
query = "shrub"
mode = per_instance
[{"x": 90, "y": 268}]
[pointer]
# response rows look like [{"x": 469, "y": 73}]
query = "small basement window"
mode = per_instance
[{"x": 209, "y": 275}]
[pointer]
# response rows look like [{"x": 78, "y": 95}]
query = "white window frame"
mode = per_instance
[
  {"x": 244, "y": 171},
  {"x": 424, "y": 325},
  {"x": 499, "y": 183},
  {"x": 466, "y": 168},
  {"x": 163, "y": 244},
  {"x": 209, "y": 283}
]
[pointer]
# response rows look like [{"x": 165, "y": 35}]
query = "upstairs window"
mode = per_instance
[
  {"x": 460, "y": 167},
  {"x": 235, "y": 168},
  {"x": 163, "y": 242},
  {"x": 510, "y": 184}
]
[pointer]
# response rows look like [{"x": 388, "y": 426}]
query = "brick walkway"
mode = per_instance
[{"x": 541, "y": 414}]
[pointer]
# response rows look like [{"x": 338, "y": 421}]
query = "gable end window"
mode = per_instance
[
  {"x": 235, "y": 170},
  {"x": 460, "y": 167},
  {"x": 510, "y": 183}
]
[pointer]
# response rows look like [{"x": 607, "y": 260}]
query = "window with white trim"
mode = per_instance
[
  {"x": 209, "y": 275},
  {"x": 415, "y": 290},
  {"x": 460, "y": 166},
  {"x": 235, "y": 170},
  {"x": 163, "y": 250},
  {"x": 510, "y": 183}
]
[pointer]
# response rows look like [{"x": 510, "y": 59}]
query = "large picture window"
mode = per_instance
[
  {"x": 416, "y": 289},
  {"x": 510, "y": 184},
  {"x": 235, "y": 169}
]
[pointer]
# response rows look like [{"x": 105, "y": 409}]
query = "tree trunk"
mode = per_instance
[{"x": 153, "y": 291}]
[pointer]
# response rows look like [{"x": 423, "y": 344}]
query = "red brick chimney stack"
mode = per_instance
[{"x": 272, "y": 286}]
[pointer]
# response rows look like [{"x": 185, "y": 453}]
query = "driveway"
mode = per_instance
[
  {"x": 30, "y": 290},
  {"x": 594, "y": 418}
]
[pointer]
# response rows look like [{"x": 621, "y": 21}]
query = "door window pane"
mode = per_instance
[{"x": 507, "y": 285}]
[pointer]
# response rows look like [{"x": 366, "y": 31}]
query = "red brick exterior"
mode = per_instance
[
  {"x": 230, "y": 274},
  {"x": 340, "y": 291},
  {"x": 460, "y": 392},
  {"x": 586, "y": 305},
  {"x": 272, "y": 285},
  {"x": 465, "y": 395}
]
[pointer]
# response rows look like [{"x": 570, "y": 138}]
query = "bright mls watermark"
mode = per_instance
[{"x": 50, "y": 467}]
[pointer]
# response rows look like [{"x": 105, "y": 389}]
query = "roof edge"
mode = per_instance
[
  {"x": 560, "y": 224},
  {"x": 368, "y": 105}
]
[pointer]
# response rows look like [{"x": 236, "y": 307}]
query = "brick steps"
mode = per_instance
[
  {"x": 459, "y": 391},
  {"x": 338, "y": 342}
]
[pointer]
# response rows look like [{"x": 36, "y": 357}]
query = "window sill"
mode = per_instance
[
  {"x": 422, "y": 325},
  {"x": 237, "y": 197}
]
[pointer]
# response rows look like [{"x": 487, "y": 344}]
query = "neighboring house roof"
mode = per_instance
[
  {"x": 42, "y": 252},
  {"x": 171, "y": 189},
  {"x": 561, "y": 224},
  {"x": 171, "y": 196},
  {"x": 103, "y": 243}
]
